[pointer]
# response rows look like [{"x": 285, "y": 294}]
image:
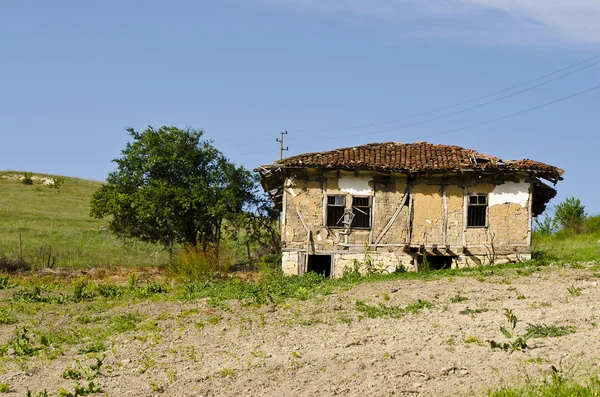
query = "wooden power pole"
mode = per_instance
[{"x": 281, "y": 148}]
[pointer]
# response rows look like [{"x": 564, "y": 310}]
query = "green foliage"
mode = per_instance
[
  {"x": 4, "y": 388},
  {"x": 546, "y": 226},
  {"x": 41, "y": 393},
  {"x": 195, "y": 262},
  {"x": 21, "y": 343},
  {"x": 391, "y": 311},
  {"x": 556, "y": 386},
  {"x": 592, "y": 224},
  {"x": 124, "y": 322},
  {"x": 570, "y": 215},
  {"x": 573, "y": 290},
  {"x": 56, "y": 182},
  {"x": 515, "y": 342},
  {"x": 549, "y": 331},
  {"x": 5, "y": 281},
  {"x": 171, "y": 187},
  {"x": 27, "y": 178},
  {"x": 6, "y": 316},
  {"x": 458, "y": 298}
]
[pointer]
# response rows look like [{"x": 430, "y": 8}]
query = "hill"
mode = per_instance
[{"x": 56, "y": 228}]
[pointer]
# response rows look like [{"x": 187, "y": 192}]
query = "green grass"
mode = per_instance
[
  {"x": 56, "y": 227},
  {"x": 556, "y": 386},
  {"x": 567, "y": 247}
]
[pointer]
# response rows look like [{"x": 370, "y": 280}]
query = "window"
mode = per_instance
[
  {"x": 477, "y": 211},
  {"x": 335, "y": 210},
  {"x": 361, "y": 207}
]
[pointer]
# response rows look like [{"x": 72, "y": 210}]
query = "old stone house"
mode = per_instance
[{"x": 405, "y": 204}]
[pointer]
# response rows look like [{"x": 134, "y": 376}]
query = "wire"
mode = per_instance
[
  {"x": 513, "y": 114},
  {"x": 451, "y": 106},
  {"x": 450, "y": 114},
  {"x": 262, "y": 151}
]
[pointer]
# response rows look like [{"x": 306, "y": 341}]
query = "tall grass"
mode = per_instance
[{"x": 556, "y": 386}]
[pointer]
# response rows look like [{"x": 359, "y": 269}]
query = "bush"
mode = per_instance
[
  {"x": 197, "y": 263},
  {"x": 27, "y": 178},
  {"x": 546, "y": 226},
  {"x": 570, "y": 215},
  {"x": 592, "y": 224}
]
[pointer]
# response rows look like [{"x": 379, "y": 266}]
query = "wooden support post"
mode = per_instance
[
  {"x": 410, "y": 215},
  {"x": 530, "y": 228},
  {"x": 465, "y": 220},
  {"x": 445, "y": 223}
]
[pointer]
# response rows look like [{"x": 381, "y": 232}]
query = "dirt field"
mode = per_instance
[{"x": 324, "y": 346}]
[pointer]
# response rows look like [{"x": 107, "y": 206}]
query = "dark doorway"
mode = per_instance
[
  {"x": 435, "y": 262},
  {"x": 320, "y": 264}
]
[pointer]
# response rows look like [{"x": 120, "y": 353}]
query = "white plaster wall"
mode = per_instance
[
  {"x": 510, "y": 192},
  {"x": 357, "y": 186}
]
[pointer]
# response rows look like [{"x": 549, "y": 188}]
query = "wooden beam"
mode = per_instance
[
  {"x": 445, "y": 223},
  {"x": 465, "y": 213},
  {"x": 409, "y": 218},
  {"x": 530, "y": 228}
]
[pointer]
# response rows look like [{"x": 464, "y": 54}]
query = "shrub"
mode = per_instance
[
  {"x": 195, "y": 262},
  {"x": 546, "y": 226},
  {"x": 592, "y": 224},
  {"x": 27, "y": 178},
  {"x": 570, "y": 215}
]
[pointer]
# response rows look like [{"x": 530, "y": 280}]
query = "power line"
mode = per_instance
[
  {"x": 454, "y": 105},
  {"x": 514, "y": 114},
  {"x": 453, "y": 113}
]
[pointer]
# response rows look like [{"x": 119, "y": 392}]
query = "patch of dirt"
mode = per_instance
[{"x": 326, "y": 347}]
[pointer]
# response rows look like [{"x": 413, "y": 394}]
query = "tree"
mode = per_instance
[
  {"x": 570, "y": 215},
  {"x": 170, "y": 186}
]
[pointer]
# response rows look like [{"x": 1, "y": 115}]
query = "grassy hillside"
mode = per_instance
[{"x": 56, "y": 226}]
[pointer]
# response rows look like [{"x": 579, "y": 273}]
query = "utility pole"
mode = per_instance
[{"x": 281, "y": 148}]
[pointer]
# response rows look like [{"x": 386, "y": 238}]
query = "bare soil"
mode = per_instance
[{"x": 325, "y": 347}]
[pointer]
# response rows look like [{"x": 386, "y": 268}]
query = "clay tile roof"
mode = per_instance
[{"x": 420, "y": 156}]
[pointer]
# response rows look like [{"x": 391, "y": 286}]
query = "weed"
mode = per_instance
[
  {"x": 556, "y": 386},
  {"x": 471, "y": 312},
  {"x": 124, "y": 322},
  {"x": 391, "y": 311},
  {"x": 110, "y": 290},
  {"x": 344, "y": 318},
  {"x": 575, "y": 291},
  {"x": 471, "y": 339},
  {"x": 70, "y": 373},
  {"x": 171, "y": 375},
  {"x": 41, "y": 393},
  {"x": 21, "y": 343},
  {"x": 5, "y": 281},
  {"x": 155, "y": 387},
  {"x": 514, "y": 343},
  {"x": 4, "y": 388},
  {"x": 6, "y": 316},
  {"x": 458, "y": 298},
  {"x": 226, "y": 372},
  {"x": 94, "y": 347},
  {"x": 549, "y": 331}
]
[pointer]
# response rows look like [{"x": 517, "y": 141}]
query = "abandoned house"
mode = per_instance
[{"x": 405, "y": 204}]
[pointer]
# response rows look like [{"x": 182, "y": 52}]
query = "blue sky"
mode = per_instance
[{"x": 74, "y": 74}]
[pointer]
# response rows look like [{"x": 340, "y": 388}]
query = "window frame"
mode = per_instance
[
  {"x": 326, "y": 212},
  {"x": 485, "y": 207},
  {"x": 370, "y": 215}
]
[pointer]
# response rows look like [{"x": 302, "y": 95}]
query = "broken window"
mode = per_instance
[
  {"x": 477, "y": 211},
  {"x": 335, "y": 210},
  {"x": 361, "y": 207}
]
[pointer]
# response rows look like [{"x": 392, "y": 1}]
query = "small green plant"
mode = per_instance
[
  {"x": 21, "y": 343},
  {"x": 70, "y": 373},
  {"x": 391, "y": 311},
  {"x": 4, "y": 388},
  {"x": 155, "y": 387},
  {"x": 549, "y": 331},
  {"x": 41, "y": 393},
  {"x": 6, "y": 316},
  {"x": 4, "y": 281},
  {"x": 226, "y": 372},
  {"x": 56, "y": 182},
  {"x": 124, "y": 322},
  {"x": 171, "y": 375},
  {"x": 27, "y": 178},
  {"x": 575, "y": 291},
  {"x": 515, "y": 342},
  {"x": 471, "y": 312},
  {"x": 458, "y": 298}
]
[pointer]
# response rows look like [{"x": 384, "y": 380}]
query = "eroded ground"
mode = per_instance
[{"x": 388, "y": 343}]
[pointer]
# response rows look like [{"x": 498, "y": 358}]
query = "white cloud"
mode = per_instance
[{"x": 514, "y": 21}]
